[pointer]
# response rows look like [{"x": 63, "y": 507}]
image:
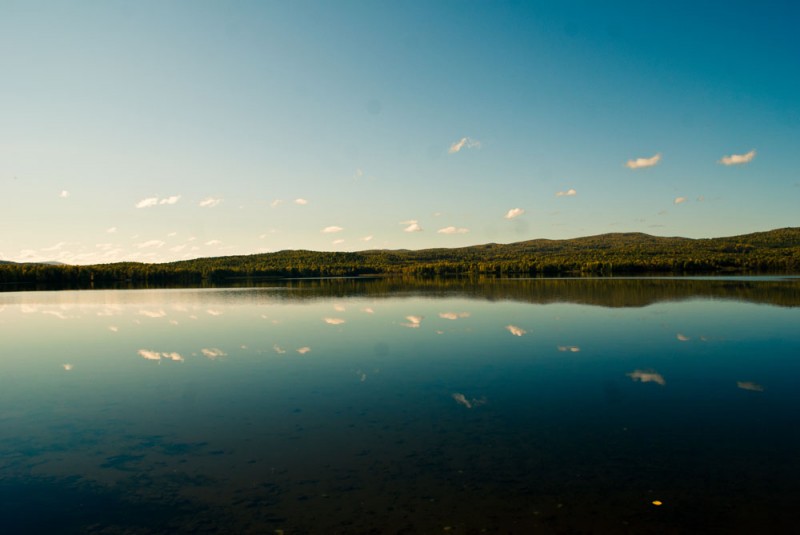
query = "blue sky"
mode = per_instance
[{"x": 158, "y": 131}]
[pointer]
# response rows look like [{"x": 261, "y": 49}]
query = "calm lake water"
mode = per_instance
[{"x": 390, "y": 406}]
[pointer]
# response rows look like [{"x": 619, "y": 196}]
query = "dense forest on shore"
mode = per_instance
[{"x": 775, "y": 251}]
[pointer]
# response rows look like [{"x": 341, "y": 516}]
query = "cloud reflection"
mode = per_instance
[
  {"x": 278, "y": 349},
  {"x": 749, "y": 385},
  {"x": 453, "y": 315},
  {"x": 148, "y": 354},
  {"x": 571, "y": 349},
  {"x": 334, "y": 321},
  {"x": 516, "y": 331},
  {"x": 303, "y": 350},
  {"x": 647, "y": 376},
  {"x": 682, "y": 338},
  {"x": 461, "y": 399},
  {"x": 153, "y": 313},
  {"x": 413, "y": 322},
  {"x": 213, "y": 352}
]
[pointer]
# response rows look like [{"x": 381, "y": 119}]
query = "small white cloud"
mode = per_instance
[
  {"x": 111, "y": 230},
  {"x": 153, "y": 313},
  {"x": 155, "y": 201},
  {"x": 332, "y": 229},
  {"x": 680, "y": 200},
  {"x": 148, "y": 202},
  {"x": 736, "y": 159},
  {"x": 214, "y": 312},
  {"x": 640, "y": 163},
  {"x": 367, "y": 238},
  {"x": 452, "y": 230},
  {"x": 301, "y": 202},
  {"x": 464, "y": 142},
  {"x": 303, "y": 350},
  {"x": 682, "y": 337},
  {"x": 64, "y": 194},
  {"x": 67, "y": 367},
  {"x": 516, "y": 331},
  {"x": 209, "y": 202},
  {"x": 413, "y": 226},
  {"x": 149, "y": 355},
  {"x": 461, "y": 399},
  {"x": 514, "y": 212},
  {"x": 569, "y": 193},
  {"x": 569, "y": 349},
  {"x": 213, "y": 242},
  {"x": 337, "y": 242},
  {"x": 334, "y": 321},
  {"x": 647, "y": 376},
  {"x": 213, "y": 352},
  {"x": 278, "y": 349},
  {"x": 276, "y": 203}
]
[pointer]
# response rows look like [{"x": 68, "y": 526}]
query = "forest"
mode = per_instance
[{"x": 776, "y": 251}]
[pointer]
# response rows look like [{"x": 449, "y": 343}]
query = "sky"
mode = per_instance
[{"x": 157, "y": 131}]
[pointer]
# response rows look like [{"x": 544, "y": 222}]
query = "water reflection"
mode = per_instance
[{"x": 388, "y": 430}]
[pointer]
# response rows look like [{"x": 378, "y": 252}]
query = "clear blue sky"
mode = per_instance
[{"x": 156, "y": 131}]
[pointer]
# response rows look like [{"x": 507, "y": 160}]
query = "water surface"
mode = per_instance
[{"x": 555, "y": 406}]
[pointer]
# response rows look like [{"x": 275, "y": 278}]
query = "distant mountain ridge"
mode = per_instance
[{"x": 774, "y": 251}]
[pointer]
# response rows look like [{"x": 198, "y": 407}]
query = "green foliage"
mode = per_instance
[{"x": 776, "y": 251}]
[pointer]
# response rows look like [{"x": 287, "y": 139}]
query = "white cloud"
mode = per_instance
[
  {"x": 640, "y": 163},
  {"x": 462, "y": 143},
  {"x": 516, "y": 331},
  {"x": 213, "y": 242},
  {"x": 367, "y": 238},
  {"x": 213, "y": 352},
  {"x": 153, "y": 313},
  {"x": 301, "y": 202},
  {"x": 155, "y": 201},
  {"x": 111, "y": 230},
  {"x": 569, "y": 349},
  {"x": 278, "y": 349},
  {"x": 332, "y": 229},
  {"x": 337, "y": 242},
  {"x": 67, "y": 367},
  {"x": 214, "y": 312},
  {"x": 647, "y": 376},
  {"x": 680, "y": 200},
  {"x": 334, "y": 321},
  {"x": 514, "y": 212},
  {"x": 276, "y": 203},
  {"x": 209, "y": 202},
  {"x": 569, "y": 193},
  {"x": 681, "y": 337},
  {"x": 149, "y": 355},
  {"x": 413, "y": 226},
  {"x": 461, "y": 399},
  {"x": 303, "y": 350},
  {"x": 736, "y": 159},
  {"x": 452, "y": 230},
  {"x": 64, "y": 194}
]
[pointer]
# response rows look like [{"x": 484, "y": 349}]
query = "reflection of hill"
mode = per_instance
[
  {"x": 589, "y": 291},
  {"x": 606, "y": 292}
]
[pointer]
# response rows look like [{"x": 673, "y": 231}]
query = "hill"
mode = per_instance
[{"x": 775, "y": 251}]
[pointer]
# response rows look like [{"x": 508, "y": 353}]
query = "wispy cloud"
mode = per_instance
[
  {"x": 111, "y": 230},
  {"x": 153, "y": 313},
  {"x": 453, "y": 230},
  {"x": 332, "y": 229},
  {"x": 150, "y": 243},
  {"x": 682, "y": 337},
  {"x": 278, "y": 349},
  {"x": 640, "y": 163},
  {"x": 736, "y": 159},
  {"x": 569, "y": 349},
  {"x": 413, "y": 226},
  {"x": 157, "y": 355},
  {"x": 514, "y": 212},
  {"x": 301, "y": 202},
  {"x": 680, "y": 200},
  {"x": 334, "y": 321},
  {"x": 516, "y": 331},
  {"x": 213, "y": 242},
  {"x": 276, "y": 203},
  {"x": 64, "y": 194},
  {"x": 647, "y": 376},
  {"x": 209, "y": 202},
  {"x": 367, "y": 238},
  {"x": 464, "y": 142},
  {"x": 155, "y": 201},
  {"x": 569, "y": 193},
  {"x": 338, "y": 242},
  {"x": 303, "y": 350}
]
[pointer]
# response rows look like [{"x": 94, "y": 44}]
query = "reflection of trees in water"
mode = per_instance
[{"x": 607, "y": 292}]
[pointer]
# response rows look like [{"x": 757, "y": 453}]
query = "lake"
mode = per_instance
[{"x": 403, "y": 406}]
